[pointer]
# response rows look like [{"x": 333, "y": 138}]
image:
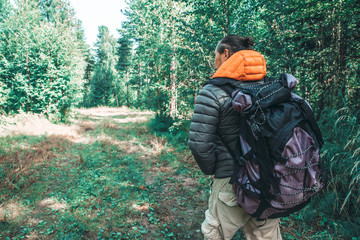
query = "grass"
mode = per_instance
[{"x": 121, "y": 183}]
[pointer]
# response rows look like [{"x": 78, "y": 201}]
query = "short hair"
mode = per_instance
[{"x": 235, "y": 43}]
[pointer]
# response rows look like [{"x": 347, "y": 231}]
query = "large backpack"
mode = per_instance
[{"x": 279, "y": 166}]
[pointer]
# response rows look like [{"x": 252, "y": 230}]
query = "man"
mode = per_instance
[{"x": 214, "y": 135}]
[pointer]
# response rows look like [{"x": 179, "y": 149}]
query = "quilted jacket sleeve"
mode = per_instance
[{"x": 202, "y": 134}]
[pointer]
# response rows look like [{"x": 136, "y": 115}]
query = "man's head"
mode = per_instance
[{"x": 230, "y": 45}]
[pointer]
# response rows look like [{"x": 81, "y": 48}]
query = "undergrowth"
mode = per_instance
[{"x": 336, "y": 209}]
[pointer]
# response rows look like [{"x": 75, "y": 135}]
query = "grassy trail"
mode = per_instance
[{"x": 105, "y": 176}]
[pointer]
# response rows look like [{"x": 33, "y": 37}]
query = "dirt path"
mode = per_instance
[{"x": 104, "y": 176}]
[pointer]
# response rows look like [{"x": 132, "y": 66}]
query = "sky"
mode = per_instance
[{"x": 94, "y": 13}]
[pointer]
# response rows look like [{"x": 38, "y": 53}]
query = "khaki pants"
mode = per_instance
[{"x": 224, "y": 217}]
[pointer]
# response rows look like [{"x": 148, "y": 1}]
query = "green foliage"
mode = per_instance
[
  {"x": 41, "y": 60},
  {"x": 314, "y": 40},
  {"x": 161, "y": 70},
  {"x": 103, "y": 84},
  {"x": 124, "y": 53},
  {"x": 5, "y": 9},
  {"x": 341, "y": 157},
  {"x": 90, "y": 62},
  {"x": 161, "y": 124},
  {"x": 4, "y": 94},
  {"x": 173, "y": 53}
]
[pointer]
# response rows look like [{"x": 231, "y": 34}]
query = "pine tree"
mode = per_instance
[
  {"x": 105, "y": 75},
  {"x": 124, "y": 53}
]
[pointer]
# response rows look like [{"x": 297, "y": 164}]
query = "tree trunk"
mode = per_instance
[
  {"x": 139, "y": 83},
  {"x": 159, "y": 102},
  {"x": 173, "y": 88},
  {"x": 127, "y": 87}
]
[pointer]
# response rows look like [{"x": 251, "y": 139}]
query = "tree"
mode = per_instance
[
  {"x": 124, "y": 53},
  {"x": 41, "y": 62},
  {"x": 88, "y": 74},
  {"x": 105, "y": 75},
  {"x": 316, "y": 41},
  {"x": 5, "y": 9}
]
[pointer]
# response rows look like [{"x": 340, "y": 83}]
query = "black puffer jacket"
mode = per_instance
[
  {"x": 214, "y": 115},
  {"x": 215, "y": 122}
]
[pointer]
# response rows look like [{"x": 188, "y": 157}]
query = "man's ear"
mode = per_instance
[{"x": 226, "y": 54}]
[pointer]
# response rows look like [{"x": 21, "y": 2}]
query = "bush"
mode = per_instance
[{"x": 161, "y": 124}]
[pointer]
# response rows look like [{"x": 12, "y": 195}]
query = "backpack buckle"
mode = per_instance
[
  {"x": 242, "y": 160},
  {"x": 255, "y": 129}
]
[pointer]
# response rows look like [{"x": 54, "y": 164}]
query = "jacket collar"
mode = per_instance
[{"x": 245, "y": 65}]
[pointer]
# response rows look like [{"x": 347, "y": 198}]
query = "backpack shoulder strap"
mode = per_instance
[
  {"x": 226, "y": 84},
  {"x": 221, "y": 81},
  {"x": 228, "y": 88},
  {"x": 229, "y": 84}
]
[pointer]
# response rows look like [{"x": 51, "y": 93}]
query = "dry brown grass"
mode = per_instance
[
  {"x": 23, "y": 164},
  {"x": 53, "y": 204},
  {"x": 12, "y": 210},
  {"x": 34, "y": 125},
  {"x": 105, "y": 112},
  {"x": 25, "y": 160},
  {"x": 38, "y": 125},
  {"x": 85, "y": 126}
]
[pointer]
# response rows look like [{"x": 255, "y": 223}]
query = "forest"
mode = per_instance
[{"x": 164, "y": 55}]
